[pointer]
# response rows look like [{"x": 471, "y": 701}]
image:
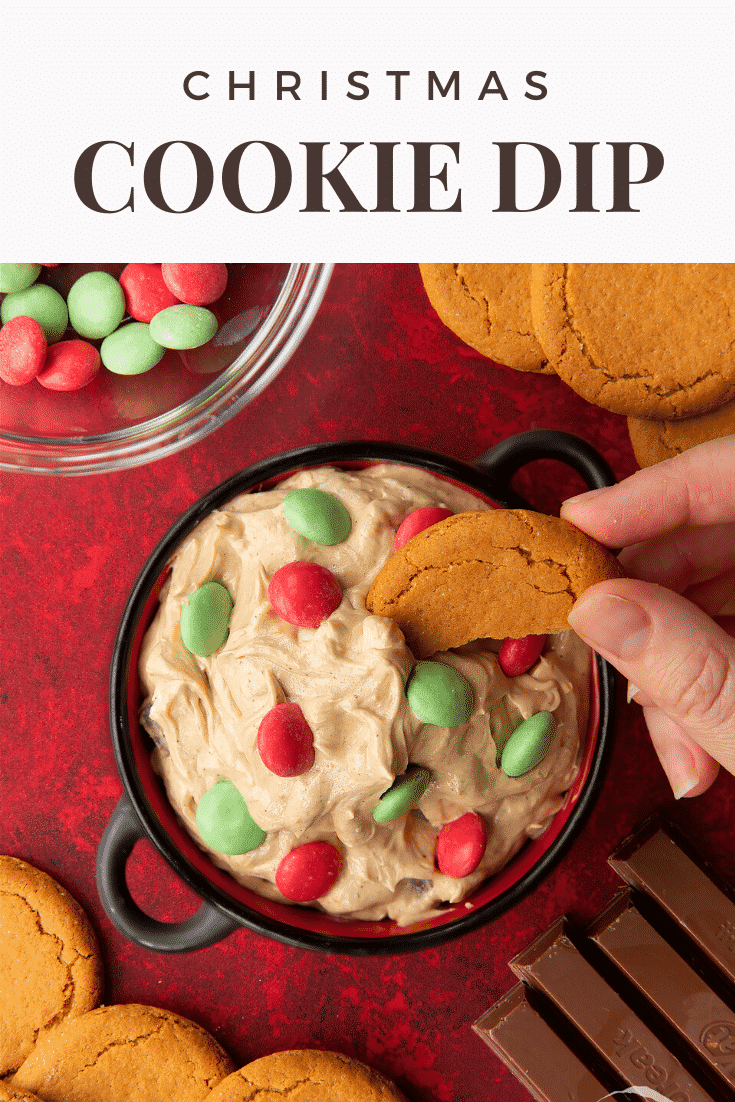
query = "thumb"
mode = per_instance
[{"x": 681, "y": 660}]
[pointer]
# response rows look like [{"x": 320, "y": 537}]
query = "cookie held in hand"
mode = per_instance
[{"x": 488, "y": 574}]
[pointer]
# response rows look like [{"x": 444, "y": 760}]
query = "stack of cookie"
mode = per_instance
[
  {"x": 653, "y": 342},
  {"x": 57, "y": 1044}
]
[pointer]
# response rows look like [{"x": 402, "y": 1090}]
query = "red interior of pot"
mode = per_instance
[{"x": 308, "y": 918}]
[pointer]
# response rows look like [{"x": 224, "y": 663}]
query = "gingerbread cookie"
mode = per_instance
[
  {"x": 654, "y": 441},
  {"x": 125, "y": 1053},
  {"x": 50, "y": 963},
  {"x": 8, "y": 1094},
  {"x": 488, "y": 574},
  {"x": 306, "y": 1075},
  {"x": 645, "y": 340},
  {"x": 488, "y": 306}
]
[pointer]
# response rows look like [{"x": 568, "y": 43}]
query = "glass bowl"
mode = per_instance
[
  {"x": 120, "y": 421},
  {"x": 144, "y": 810}
]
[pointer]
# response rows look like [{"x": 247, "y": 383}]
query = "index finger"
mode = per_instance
[{"x": 695, "y": 488}]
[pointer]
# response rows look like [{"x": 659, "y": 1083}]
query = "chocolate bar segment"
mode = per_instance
[
  {"x": 665, "y": 979},
  {"x": 531, "y": 1049},
  {"x": 653, "y": 860},
  {"x": 553, "y": 966}
]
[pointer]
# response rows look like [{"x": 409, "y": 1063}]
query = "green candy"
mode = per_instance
[
  {"x": 131, "y": 350},
  {"x": 318, "y": 516},
  {"x": 16, "y": 277},
  {"x": 183, "y": 326},
  {"x": 42, "y": 303},
  {"x": 96, "y": 305},
  {"x": 225, "y": 822},
  {"x": 403, "y": 794},
  {"x": 205, "y": 619},
  {"x": 528, "y": 745},
  {"x": 439, "y": 694}
]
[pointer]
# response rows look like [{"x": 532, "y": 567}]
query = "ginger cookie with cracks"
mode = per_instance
[
  {"x": 125, "y": 1053},
  {"x": 306, "y": 1075},
  {"x": 503, "y": 573},
  {"x": 654, "y": 441},
  {"x": 50, "y": 962},
  {"x": 644, "y": 340},
  {"x": 488, "y": 306}
]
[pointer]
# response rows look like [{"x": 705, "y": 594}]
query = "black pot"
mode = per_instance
[{"x": 144, "y": 811}]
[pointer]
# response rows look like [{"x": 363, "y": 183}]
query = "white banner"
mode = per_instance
[{"x": 389, "y": 132}]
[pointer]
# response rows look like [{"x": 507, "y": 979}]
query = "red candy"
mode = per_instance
[
  {"x": 146, "y": 294},
  {"x": 460, "y": 845},
  {"x": 286, "y": 741},
  {"x": 196, "y": 284},
  {"x": 304, "y": 594},
  {"x": 516, "y": 656},
  {"x": 22, "y": 350},
  {"x": 309, "y": 871},
  {"x": 416, "y": 521},
  {"x": 70, "y": 365}
]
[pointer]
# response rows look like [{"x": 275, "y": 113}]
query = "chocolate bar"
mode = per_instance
[
  {"x": 554, "y": 967},
  {"x": 654, "y": 861},
  {"x": 669, "y": 1034},
  {"x": 536, "y": 1055},
  {"x": 669, "y": 984}
]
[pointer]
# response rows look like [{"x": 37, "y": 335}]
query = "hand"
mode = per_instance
[{"x": 676, "y": 524}]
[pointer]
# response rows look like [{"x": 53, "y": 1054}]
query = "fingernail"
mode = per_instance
[
  {"x": 680, "y": 768},
  {"x": 612, "y": 624},
  {"x": 587, "y": 496},
  {"x": 638, "y": 696}
]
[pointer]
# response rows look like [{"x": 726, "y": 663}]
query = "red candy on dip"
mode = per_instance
[
  {"x": 309, "y": 871},
  {"x": 22, "y": 350},
  {"x": 460, "y": 845},
  {"x": 146, "y": 294},
  {"x": 70, "y": 365},
  {"x": 286, "y": 741},
  {"x": 416, "y": 521},
  {"x": 516, "y": 656},
  {"x": 304, "y": 593},
  {"x": 196, "y": 284}
]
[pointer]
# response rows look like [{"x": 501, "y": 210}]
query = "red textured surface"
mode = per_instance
[{"x": 376, "y": 364}]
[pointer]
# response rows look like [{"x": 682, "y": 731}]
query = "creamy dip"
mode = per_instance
[{"x": 348, "y": 676}]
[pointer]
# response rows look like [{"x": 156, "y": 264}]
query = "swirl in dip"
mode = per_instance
[{"x": 348, "y": 676}]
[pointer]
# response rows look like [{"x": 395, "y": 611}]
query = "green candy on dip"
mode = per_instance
[
  {"x": 225, "y": 822},
  {"x": 205, "y": 619},
  {"x": 439, "y": 694},
  {"x": 318, "y": 516},
  {"x": 403, "y": 794},
  {"x": 528, "y": 745}
]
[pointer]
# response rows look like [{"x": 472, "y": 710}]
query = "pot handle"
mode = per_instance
[
  {"x": 205, "y": 927},
  {"x": 504, "y": 460}
]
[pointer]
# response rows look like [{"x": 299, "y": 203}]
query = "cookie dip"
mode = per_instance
[{"x": 369, "y": 776}]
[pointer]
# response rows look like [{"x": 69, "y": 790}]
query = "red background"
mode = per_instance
[{"x": 377, "y": 363}]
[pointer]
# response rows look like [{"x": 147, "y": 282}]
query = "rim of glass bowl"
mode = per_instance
[{"x": 259, "y": 362}]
